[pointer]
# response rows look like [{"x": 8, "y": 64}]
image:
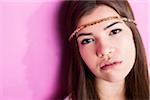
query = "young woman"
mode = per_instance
[{"x": 108, "y": 60}]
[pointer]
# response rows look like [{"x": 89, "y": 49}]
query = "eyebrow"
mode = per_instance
[
  {"x": 86, "y": 34},
  {"x": 111, "y": 25}
]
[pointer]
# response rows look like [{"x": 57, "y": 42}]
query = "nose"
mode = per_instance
[{"x": 104, "y": 49}]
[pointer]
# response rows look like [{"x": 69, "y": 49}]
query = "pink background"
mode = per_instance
[{"x": 30, "y": 50}]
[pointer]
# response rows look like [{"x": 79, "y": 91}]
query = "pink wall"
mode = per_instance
[{"x": 29, "y": 47}]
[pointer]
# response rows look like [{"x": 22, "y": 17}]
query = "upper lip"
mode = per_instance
[{"x": 107, "y": 63}]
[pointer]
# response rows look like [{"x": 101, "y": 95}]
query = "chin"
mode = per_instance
[{"x": 114, "y": 79}]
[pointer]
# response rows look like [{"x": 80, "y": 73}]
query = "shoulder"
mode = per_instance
[{"x": 68, "y": 97}]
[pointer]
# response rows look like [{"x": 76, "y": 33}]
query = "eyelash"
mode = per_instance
[
  {"x": 86, "y": 41},
  {"x": 113, "y": 32}
]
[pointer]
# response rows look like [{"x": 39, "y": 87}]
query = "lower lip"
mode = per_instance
[{"x": 111, "y": 66}]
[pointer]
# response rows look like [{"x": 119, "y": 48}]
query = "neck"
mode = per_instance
[{"x": 110, "y": 90}]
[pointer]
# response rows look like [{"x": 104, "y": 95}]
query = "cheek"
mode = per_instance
[
  {"x": 130, "y": 46},
  {"x": 126, "y": 42},
  {"x": 126, "y": 48},
  {"x": 88, "y": 54},
  {"x": 129, "y": 52}
]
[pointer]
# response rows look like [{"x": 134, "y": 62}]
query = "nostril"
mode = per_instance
[
  {"x": 105, "y": 52},
  {"x": 109, "y": 52}
]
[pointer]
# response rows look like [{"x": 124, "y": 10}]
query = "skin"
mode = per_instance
[{"x": 115, "y": 43}]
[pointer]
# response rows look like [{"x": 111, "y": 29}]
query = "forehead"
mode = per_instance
[{"x": 100, "y": 12}]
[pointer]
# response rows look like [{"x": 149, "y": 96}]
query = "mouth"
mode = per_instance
[{"x": 108, "y": 65}]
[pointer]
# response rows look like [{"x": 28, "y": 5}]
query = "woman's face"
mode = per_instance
[{"x": 107, "y": 48}]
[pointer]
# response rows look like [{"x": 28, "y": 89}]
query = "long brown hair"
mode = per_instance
[{"x": 82, "y": 81}]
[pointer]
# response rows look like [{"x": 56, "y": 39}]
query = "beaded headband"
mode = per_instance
[{"x": 98, "y": 21}]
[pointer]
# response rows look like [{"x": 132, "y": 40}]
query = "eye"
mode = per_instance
[
  {"x": 115, "y": 31},
  {"x": 87, "y": 41}
]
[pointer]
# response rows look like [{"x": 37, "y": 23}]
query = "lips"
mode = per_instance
[{"x": 107, "y": 65}]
